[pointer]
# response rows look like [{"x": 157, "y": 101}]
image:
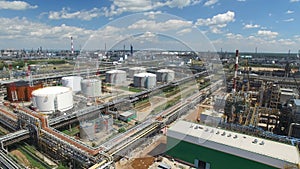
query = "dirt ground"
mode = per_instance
[
  {"x": 20, "y": 157},
  {"x": 143, "y": 158}
]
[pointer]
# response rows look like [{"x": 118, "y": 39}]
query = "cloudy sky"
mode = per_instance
[{"x": 266, "y": 25}]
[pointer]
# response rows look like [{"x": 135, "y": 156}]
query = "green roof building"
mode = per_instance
[{"x": 213, "y": 148}]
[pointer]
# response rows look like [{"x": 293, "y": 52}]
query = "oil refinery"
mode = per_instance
[{"x": 102, "y": 115}]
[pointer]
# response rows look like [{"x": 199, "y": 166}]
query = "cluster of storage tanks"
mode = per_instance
[
  {"x": 60, "y": 98},
  {"x": 148, "y": 80}
]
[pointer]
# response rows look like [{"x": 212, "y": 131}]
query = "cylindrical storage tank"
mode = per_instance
[
  {"x": 135, "y": 70},
  {"x": 115, "y": 77},
  {"x": 54, "y": 98},
  {"x": 21, "y": 91},
  {"x": 87, "y": 131},
  {"x": 91, "y": 87},
  {"x": 165, "y": 75},
  {"x": 144, "y": 80},
  {"x": 73, "y": 82}
]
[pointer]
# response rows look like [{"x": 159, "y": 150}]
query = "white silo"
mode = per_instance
[
  {"x": 51, "y": 99},
  {"x": 73, "y": 82},
  {"x": 91, "y": 87},
  {"x": 135, "y": 70},
  {"x": 115, "y": 77},
  {"x": 165, "y": 75},
  {"x": 87, "y": 130},
  {"x": 144, "y": 80}
]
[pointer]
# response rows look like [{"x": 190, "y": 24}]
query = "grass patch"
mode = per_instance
[
  {"x": 72, "y": 132},
  {"x": 131, "y": 89},
  {"x": 169, "y": 104}
]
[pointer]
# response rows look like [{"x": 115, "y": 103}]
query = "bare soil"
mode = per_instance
[{"x": 21, "y": 157}]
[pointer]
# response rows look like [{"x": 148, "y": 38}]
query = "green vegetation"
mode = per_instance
[
  {"x": 71, "y": 132},
  {"x": 122, "y": 130},
  {"x": 169, "y": 104},
  {"x": 61, "y": 166},
  {"x": 131, "y": 89},
  {"x": 29, "y": 153},
  {"x": 21, "y": 63},
  {"x": 50, "y": 61}
]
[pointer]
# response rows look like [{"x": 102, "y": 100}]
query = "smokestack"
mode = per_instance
[
  {"x": 235, "y": 71},
  {"x": 72, "y": 47},
  {"x": 131, "y": 50}
]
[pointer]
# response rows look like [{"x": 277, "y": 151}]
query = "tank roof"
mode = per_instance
[
  {"x": 51, "y": 90},
  {"x": 71, "y": 77},
  {"x": 145, "y": 75},
  {"x": 116, "y": 71},
  {"x": 137, "y": 68},
  {"x": 90, "y": 80},
  {"x": 165, "y": 70}
]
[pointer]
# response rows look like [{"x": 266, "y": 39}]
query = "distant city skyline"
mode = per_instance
[{"x": 246, "y": 25}]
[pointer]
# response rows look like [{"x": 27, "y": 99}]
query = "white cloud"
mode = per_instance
[
  {"x": 289, "y": 12},
  {"x": 21, "y": 31},
  {"x": 267, "y": 33},
  {"x": 286, "y": 42},
  {"x": 184, "y": 31},
  {"x": 172, "y": 24},
  {"x": 16, "y": 5},
  {"x": 82, "y": 15},
  {"x": 234, "y": 36},
  {"x": 210, "y": 2},
  {"x": 289, "y": 20},
  {"x": 250, "y": 26},
  {"x": 218, "y": 21},
  {"x": 294, "y": 0},
  {"x": 120, "y": 6},
  {"x": 152, "y": 14},
  {"x": 248, "y": 44}
]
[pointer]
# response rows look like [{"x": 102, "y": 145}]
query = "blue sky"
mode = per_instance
[{"x": 268, "y": 25}]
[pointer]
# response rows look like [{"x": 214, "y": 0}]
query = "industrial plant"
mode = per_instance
[{"x": 92, "y": 113}]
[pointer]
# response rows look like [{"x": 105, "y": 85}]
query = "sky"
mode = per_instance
[{"x": 204, "y": 25}]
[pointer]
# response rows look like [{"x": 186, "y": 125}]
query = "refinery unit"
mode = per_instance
[{"x": 93, "y": 118}]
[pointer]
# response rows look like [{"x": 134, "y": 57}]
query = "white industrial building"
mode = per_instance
[
  {"x": 51, "y": 99},
  {"x": 135, "y": 70},
  {"x": 165, "y": 75},
  {"x": 72, "y": 82},
  {"x": 91, "y": 87},
  {"x": 246, "y": 151},
  {"x": 115, "y": 77},
  {"x": 144, "y": 80}
]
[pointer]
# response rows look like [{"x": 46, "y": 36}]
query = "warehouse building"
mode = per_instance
[{"x": 213, "y": 148}]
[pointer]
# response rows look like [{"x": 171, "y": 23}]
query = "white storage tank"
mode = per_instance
[
  {"x": 73, "y": 82},
  {"x": 91, "y": 87},
  {"x": 165, "y": 75},
  {"x": 144, "y": 80},
  {"x": 104, "y": 123},
  {"x": 51, "y": 99},
  {"x": 135, "y": 70},
  {"x": 115, "y": 77},
  {"x": 87, "y": 130}
]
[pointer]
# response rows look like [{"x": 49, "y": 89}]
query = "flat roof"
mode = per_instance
[
  {"x": 297, "y": 102},
  {"x": 235, "y": 140}
]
